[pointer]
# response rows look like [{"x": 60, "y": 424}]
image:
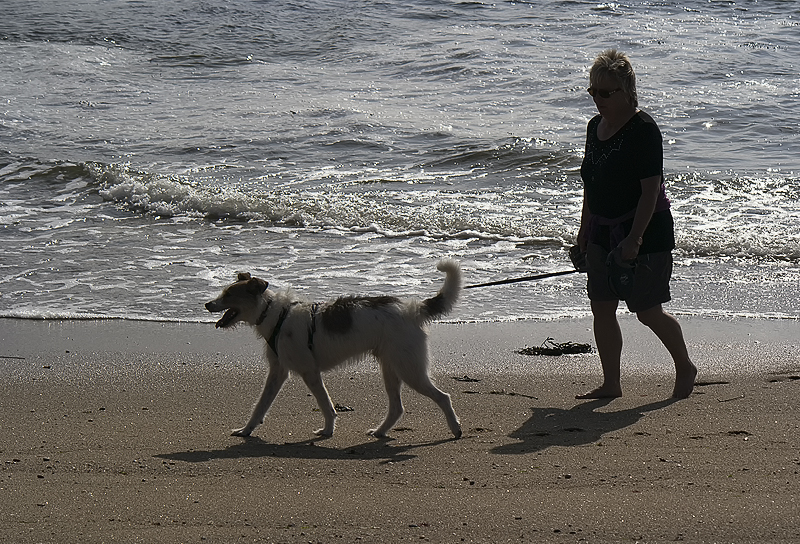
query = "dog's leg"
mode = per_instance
[
  {"x": 415, "y": 374},
  {"x": 314, "y": 383},
  {"x": 424, "y": 386},
  {"x": 275, "y": 379},
  {"x": 393, "y": 385}
]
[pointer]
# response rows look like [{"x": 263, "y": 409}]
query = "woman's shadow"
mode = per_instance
[{"x": 580, "y": 425}]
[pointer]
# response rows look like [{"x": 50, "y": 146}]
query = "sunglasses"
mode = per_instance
[{"x": 602, "y": 94}]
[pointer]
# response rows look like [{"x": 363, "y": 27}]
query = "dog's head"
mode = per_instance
[{"x": 239, "y": 301}]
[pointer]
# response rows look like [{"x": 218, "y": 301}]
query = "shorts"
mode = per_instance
[{"x": 651, "y": 279}]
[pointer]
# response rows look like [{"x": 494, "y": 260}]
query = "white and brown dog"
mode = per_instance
[{"x": 309, "y": 339}]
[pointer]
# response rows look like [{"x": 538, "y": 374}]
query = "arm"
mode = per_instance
[
  {"x": 644, "y": 212},
  {"x": 583, "y": 236}
]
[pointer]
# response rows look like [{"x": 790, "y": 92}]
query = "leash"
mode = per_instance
[{"x": 526, "y": 278}]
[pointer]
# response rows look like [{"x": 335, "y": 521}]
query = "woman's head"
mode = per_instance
[{"x": 613, "y": 69}]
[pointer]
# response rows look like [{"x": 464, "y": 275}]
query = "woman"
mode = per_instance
[{"x": 626, "y": 225}]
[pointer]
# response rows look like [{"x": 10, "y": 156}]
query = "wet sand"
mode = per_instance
[{"x": 117, "y": 431}]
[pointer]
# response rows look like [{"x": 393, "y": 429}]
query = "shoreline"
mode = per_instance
[
  {"x": 719, "y": 346},
  {"x": 119, "y": 432}
]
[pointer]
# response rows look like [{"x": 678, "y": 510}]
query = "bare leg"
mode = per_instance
[
  {"x": 313, "y": 381},
  {"x": 608, "y": 337},
  {"x": 669, "y": 332},
  {"x": 275, "y": 380},
  {"x": 393, "y": 386}
]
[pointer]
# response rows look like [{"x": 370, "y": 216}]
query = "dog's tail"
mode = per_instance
[{"x": 442, "y": 304}]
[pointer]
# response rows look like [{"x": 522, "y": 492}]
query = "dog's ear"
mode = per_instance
[
  {"x": 243, "y": 276},
  {"x": 257, "y": 285}
]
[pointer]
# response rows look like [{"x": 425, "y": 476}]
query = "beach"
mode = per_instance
[{"x": 118, "y": 431}]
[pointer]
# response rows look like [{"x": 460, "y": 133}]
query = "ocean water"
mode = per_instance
[{"x": 149, "y": 150}]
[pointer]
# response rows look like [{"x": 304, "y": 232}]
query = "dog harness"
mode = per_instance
[
  {"x": 263, "y": 315},
  {"x": 272, "y": 341},
  {"x": 312, "y": 327}
]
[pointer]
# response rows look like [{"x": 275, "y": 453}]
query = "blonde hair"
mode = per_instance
[{"x": 617, "y": 65}]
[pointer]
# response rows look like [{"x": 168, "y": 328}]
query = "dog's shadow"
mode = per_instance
[
  {"x": 580, "y": 425},
  {"x": 254, "y": 447}
]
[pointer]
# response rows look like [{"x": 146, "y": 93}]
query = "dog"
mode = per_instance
[{"x": 309, "y": 339}]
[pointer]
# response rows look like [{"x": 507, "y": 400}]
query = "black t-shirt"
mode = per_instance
[{"x": 612, "y": 171}]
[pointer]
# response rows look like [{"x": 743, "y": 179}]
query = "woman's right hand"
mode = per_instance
[
  {"x": 629, "y": 248},
  {"x": 578, "y": 258}
]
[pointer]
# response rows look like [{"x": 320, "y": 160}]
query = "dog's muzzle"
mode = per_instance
[{"x": 227, "y": 318}]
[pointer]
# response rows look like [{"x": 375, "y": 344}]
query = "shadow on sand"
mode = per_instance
[
  {"x": 547, "y": 427},
  {"x": 580, "y": 425},
  {"x": 254, "y": 447}
]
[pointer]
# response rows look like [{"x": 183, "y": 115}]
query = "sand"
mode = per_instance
[{"x": 115, "y": 431}]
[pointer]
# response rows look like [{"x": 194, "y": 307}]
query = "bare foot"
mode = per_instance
[
  {"x": 684, "y": 382},
  {"x": 602, "y": 392}
]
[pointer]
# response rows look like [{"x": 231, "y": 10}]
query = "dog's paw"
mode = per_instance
[
  {"x": 244, "y": 431},
  {"x": 324, "y": 432},
  {"x": 377, "y": 433}
]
